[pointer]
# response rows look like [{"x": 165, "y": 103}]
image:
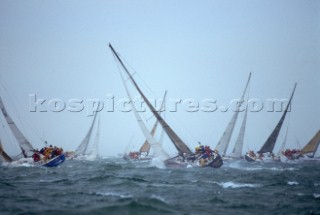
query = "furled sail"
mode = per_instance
[
  {"x": 24, "y": 144},
  {"x": 5, "y": 156},
  {"x": 271, "y": 141},
  {"x": 237, "y": 150},
  {"x": 176, "y": 140},
  {"x": 312, "y": 145},
  {"x": 225, "y": 139},
  {"x": 159, "y": 152},
  {"x": 82, "y": 148}
]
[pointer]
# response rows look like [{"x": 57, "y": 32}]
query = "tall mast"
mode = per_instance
[
  {"x": 179, "y": 144},
  {"x": 146, "y": 146}
]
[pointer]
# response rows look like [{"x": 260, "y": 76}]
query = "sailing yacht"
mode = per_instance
[
  {"x": 27, "y": 150},
  {"x": 266, "y": 151},
  {"x": 224, "y": 142},
  {"x": 185, "y": 156},
  {"x": 308, "y": 152}
]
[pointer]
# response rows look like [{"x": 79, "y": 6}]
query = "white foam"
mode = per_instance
[
  {"x": 292, "y": 183},
  {"x": 158, "y": 198},
  {"x": 156, "y": 162},
  {"x": 231, "y": 184},
  {"x": 18, "y": 164},
  {"x": 113, "y": 194},
  {"x": 316, "y": 196}
]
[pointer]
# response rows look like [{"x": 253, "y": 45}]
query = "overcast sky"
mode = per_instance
[{"x": 194, "y": 49}]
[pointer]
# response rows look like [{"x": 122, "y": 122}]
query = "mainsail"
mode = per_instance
[
  {"x": 312, "y": 145},
  {"x": 159, "y": 152},
  {"x": 82, "y": 148},
  {"x": 271, "y": 141},
  {"x": 225, "y": 139},
  {"x": 24, "y": 144},
  {"x": 176, "y": 140}
]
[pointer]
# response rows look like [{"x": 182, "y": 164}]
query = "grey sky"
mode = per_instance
[{"x": 193, "y": 49}]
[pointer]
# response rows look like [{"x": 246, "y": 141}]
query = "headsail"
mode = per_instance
[
  {"x": 176, "y": 140},
  {"x": 237, "y": 150},
  {"x": 5, "y": 156},
  {"x": 159, "y": 152},
  {"x": 82, "y": 148},
  {"x": 312, "y": 145},
  {"x": 225, "y": 139},
  {"x": 283, "y": 145},
  {"x": 271, "y": 141},
  {"x": 93, "y": 154},
  {"x": 24, "y": 144},
  {"x": 146, "y": 146}
]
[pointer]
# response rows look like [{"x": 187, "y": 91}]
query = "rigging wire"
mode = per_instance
[{"x": 23, "y": 123}]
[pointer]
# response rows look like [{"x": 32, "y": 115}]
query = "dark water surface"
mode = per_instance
[{"x": 113, "y": 186}]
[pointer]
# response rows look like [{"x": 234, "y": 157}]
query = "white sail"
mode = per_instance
[
  {"x": 82, "y": 148},
  {"x": 283, "y": 145},
  {"x": 24, "y": 144},
  {"x": 158, "y": 150},
  {"x": 146, "y": 146},
  {"x": 93, "y": 154},
  {"x": 237, "y": 150},
  {"x": 176, "y": 140},
  {"x": 225, "y": 139}
]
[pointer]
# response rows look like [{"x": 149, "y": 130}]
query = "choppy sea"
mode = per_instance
[{"x": 114, "y": 186}]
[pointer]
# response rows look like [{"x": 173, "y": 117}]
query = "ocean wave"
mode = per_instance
[
  {"x": 231, "y": 184},
  {"x": 153, "y": 196},
  {"x": 316, "y": 195},
  {"x": 257, "y": 167},
  {"x": 292, "y": 183},
  {"x": 114, "y": 194},
  {"x": 15, "y": 164},
  {"x": 150, "y": 206},
  {"x": 156, "y": 162}
]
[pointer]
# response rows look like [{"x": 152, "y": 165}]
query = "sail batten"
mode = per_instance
[
  {"x": 23, "y": 142},
  {"x": 176, "y": 140},
  {"x": 271, "y": 141}
]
